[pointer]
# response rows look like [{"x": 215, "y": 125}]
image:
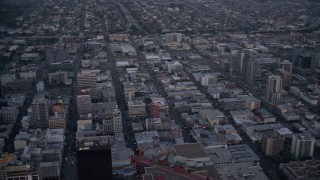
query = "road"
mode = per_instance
[
  {"x": 69, "y": 165},
  {"x": 69, "y": 168}
]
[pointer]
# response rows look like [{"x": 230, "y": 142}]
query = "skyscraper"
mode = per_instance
[
  {"x": 274, "y": 88},
  {"x": 249, "y": 70},
  {"x": 94, "y": 160},
  {"x": 87, "y": 79},
  {"x": 40, "y": 111},
  {"x": 286, "y": 65},
  {"x": 272, "y": 143},
  {"x": 302, "y": 145}
]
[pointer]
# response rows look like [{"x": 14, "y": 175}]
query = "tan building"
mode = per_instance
[
  {"x": 87, "y": 79},
  {"x": 136, "y": 109},
  {"x": 57, "y": 121},
  {"x": 118, "y": 37}
]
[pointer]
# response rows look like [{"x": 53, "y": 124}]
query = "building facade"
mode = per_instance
[
  {"x": 302, "y": 145},
  {"x": 274, "y": 88},
  {"x": 272, "y": 143}
]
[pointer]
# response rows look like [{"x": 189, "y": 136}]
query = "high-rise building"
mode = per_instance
[
  {"x": 302, "y": 145},
  {"x": 286, "y": 65},
  {"x": 274, "y": 88},
  {"x": 94, "y": 162},
  {"x": 249, "y": 70},
  {"x": 87, "y": 79},
  {"x": 117, "y": 121},
  {"x": 316, "y": 62},
  {"x": 236, "y": 64},
  {"x": 304, "y": 60},
  {"x": 84, "y": 103},
  {"x": 272, "y": 143},
  {"x": 93, "y": 156},
  {"x": 40, "y": 111}
]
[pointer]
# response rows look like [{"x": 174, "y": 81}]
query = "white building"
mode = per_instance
[
  {"x": 208, "y": 79},
  {"x": 117, "y": 121},
  {"x": 40, "y": 86},
  {"x": 302, "y": 145}
]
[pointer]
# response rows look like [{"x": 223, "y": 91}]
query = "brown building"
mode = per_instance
[{"x": 272, "y": 143}]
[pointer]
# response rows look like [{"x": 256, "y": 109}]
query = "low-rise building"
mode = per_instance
[
  {"x": 243, "y": 170},
  {"x": 7, "y": 78},
  {"x": 192, "y": 155},
  {"x": 136, "y": 109},
  {"x": 57, "y": 78},
  {"x": 301, "y": 169},
  {"x": 213, "y": 116},
  {"x": 9, "y": 114},
  {"x": 147, "y": 139},
  {"x": 28, "y": 75},
  {"x": 240, "y": 102},
  {"x": 242, "y": 153},
  {"x": 16, "y": 100},
  {"x": 30, "y": 57},
  {"x": 266, "y": 116}
]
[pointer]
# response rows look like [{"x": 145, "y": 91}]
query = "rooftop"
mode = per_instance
[{"x": 190, "y": 150}]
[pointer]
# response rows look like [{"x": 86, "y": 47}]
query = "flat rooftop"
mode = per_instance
[
  {"x": 190, "y": 150},
  {"x": 242, "y": 153}
]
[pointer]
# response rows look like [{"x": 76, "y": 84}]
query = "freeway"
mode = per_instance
[{"x": 131, "y": 21}]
